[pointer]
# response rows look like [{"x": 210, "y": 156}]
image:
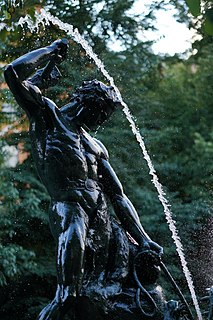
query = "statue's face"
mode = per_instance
[
  {"x": 94, "y": 117},
  {"x": 91, "y": 105}
]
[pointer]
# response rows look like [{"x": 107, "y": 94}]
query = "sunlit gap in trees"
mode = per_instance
[{"x": 170, "y": 37}]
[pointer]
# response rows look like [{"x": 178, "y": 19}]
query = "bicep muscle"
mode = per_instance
[{"x": 27, "y": 95}]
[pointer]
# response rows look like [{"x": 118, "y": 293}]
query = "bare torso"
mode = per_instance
[{"x": 67, "y": 160}]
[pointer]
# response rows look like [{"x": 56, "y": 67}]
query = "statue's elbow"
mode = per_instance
[
  {"x": 119, "y": 198},
  {"x": 9, "y": 73}
]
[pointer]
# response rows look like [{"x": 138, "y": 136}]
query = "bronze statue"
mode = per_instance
[{"x": 99, "y": 258}]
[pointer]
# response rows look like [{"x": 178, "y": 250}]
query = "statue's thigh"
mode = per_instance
[
  {"x": 69, "y": 218},
  {"x": 98, "y": 237}
]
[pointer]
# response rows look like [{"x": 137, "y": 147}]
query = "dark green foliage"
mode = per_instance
[
  {"x": 204, "y": 16},
  {"x": 194, "y": 6}
]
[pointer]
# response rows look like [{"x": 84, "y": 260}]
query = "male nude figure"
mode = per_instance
[{"x": 72, "y": 165}]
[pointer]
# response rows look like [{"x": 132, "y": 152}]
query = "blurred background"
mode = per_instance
[{"x": 160, "y": 55}]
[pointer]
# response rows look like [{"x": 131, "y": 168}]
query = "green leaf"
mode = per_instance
[
  {"x": 194, "y": 7},
  {"x": 208, "y": 23}
]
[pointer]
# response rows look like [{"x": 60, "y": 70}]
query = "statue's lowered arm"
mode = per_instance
[{"x": 124, "y": 209}]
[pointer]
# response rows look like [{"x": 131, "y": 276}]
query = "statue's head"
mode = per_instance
[{"x": 94, "y": 102}]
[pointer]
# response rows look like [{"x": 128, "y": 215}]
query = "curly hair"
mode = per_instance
[{"x": 96, "y": 94}]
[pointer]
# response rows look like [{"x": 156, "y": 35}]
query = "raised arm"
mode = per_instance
[
  {"x": 26, "y": 90},
  {"x": 124, "y": 209}
]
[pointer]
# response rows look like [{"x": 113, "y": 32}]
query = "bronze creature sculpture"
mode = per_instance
[{"x": 100, "y": 268}]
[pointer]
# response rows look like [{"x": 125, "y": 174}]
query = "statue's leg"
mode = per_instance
[
  {"x": 71, "y": 250},
  {"x": 98, "y": 241},
  {"x": 69, "y": 224},
  {"x": 119, "y": 258},
  {"x": 51, "y": 312}
]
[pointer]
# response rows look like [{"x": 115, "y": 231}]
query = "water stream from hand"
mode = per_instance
[{"x": 45, "y": 18}]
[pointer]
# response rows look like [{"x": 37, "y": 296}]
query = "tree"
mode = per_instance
[{"x": 203, "y": 13}]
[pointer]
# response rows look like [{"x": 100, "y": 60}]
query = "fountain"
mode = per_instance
[{"x": 45, "y": 18}]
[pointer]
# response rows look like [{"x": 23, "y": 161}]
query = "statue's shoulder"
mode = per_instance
[
  {"x": 52, "y": 116},
  {"x": 51, "y": 108},
  {"x": 104, "y": 153},
  {"x": 50, "y": 104}
]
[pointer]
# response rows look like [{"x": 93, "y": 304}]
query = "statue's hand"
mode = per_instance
[
  {"x": 60, "y": 48},
  {"x": 154, "y": 247}
]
